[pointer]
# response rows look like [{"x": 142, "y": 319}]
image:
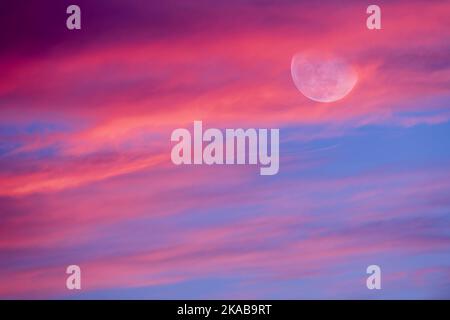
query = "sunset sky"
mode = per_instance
[{"x": 86, "y": 176}]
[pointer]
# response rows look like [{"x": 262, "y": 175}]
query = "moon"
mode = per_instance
[{"x": 322, "y": 79}]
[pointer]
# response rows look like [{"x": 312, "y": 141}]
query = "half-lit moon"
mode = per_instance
[{"x": 322, "y": 79}]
